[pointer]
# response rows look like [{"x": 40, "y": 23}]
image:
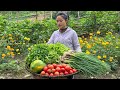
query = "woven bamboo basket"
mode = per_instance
[{"x": 38, "y": 76}]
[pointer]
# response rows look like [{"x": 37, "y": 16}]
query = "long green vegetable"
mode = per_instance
[{"x": 88, "y": 64}]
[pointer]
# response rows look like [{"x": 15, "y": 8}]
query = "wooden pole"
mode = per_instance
[
  {"x": 51, "y": 14},
  {"x": 95, "y": 28},
  {"x": 36, "y": 15},
  {"x": 17, "y": 15},
  {"x": 44, "y": 14},
  {"x": 78, "y": 14}
]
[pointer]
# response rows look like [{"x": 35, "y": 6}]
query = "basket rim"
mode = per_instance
[{"x": 59, "y": 76}]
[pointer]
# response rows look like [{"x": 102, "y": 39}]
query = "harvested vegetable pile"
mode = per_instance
[
  {"x": 55, "y": 70},
  {"x": 48, "y": 53}
]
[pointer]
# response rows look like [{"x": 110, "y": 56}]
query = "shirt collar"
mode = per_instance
[{"x": 68, "y": 29}]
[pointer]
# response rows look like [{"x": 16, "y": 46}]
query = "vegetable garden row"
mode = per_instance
[{"x": 100, "y": 46}]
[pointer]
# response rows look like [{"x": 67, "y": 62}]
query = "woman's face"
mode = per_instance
[{"x": 61, "y": 22}]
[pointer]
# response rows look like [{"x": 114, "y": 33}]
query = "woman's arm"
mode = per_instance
[
  {"x": 76, "y": 44},
  {"x": 51, "y": 40}
]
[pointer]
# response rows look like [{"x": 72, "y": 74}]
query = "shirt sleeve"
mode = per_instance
[
  {"x": 51, "y": 40},
  {"x": 76, "y": 44}
]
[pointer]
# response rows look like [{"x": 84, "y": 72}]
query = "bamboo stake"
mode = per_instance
[
  {"x": 51, "y": 14},
  {"x": 36, "y": 15},
  {"x": 78, "y": 14}
]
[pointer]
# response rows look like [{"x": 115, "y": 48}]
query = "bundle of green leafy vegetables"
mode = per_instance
[{"x": 48, "y": 53}]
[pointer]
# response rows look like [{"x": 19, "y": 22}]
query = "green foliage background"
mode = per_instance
[{"x": 40, "y": 31}]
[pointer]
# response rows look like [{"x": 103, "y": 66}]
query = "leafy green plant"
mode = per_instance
[
  {"x": 48, "y": 53},
  {"x": 11, "y": 66}
]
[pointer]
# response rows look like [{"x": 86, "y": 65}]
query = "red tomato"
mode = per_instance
[
  {"x": 49, "y": 71},
  {"x": 74, "y": 70},
  {"x": 59, "y": 65},
  {"x": 46, "y": 74},
  {"x": 55, "y": 65},
  {"x": 71, "y": 71},
  {"x": 56, "y": 73},
  {"x": 61, "y": 73},
  {"x": 58, "y": 69},
  {"x": 67, "y": 68},
  {"x": 71, "y": 68},
  {"x": 66, "y": 73},
  {"x": 50, "y": 66},
  {"x": 42, "y": 73},
  {"x": 64, "y": 65},
  {"x": 62, "y": 69},
  {"x": 51, "y": 74},
  {"x": 53, "y": 70},
  {"x": 45, "y": 68}
]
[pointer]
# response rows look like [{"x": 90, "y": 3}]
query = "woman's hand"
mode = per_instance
[{"x": 66, "y": 55}]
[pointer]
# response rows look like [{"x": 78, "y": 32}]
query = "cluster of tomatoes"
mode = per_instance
[{"x": 57, "y": 70}]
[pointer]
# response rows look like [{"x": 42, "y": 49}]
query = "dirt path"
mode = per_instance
[{"x": 39, "y": 17}]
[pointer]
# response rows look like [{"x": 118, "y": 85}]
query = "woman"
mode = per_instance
[{"x": 65, "y": 34}]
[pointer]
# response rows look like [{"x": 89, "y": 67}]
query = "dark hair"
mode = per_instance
[{"x": 64, "y": 15}]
